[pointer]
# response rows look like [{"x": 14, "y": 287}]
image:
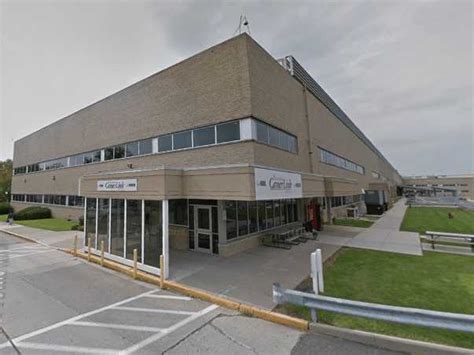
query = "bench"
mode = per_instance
[
  {"x": 433, "y": 236},
  {"x": 286, "y": 239}
]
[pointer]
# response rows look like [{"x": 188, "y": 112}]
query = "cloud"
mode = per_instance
[{"x": 401, "y": 70}]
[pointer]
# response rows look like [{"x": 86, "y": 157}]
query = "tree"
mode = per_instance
[{"x": 6, "y": 170}]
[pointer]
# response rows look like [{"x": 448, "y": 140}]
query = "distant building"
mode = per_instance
[
  {"x": 464, "y": 184},
  {"x": 231, "y": 142}
]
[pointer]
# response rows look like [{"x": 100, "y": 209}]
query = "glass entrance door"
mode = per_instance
[{"x": 203, "y": 230}]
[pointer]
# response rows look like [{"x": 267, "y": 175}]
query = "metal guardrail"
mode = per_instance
[{"x": 413, "y": 316}]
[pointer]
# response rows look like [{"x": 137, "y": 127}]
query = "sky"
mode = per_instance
[{"x": 402, "y": 70}]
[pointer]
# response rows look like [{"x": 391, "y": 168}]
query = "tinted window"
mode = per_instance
[
  {"x": 262, "y": 132},
  {"x": 182, "y": 140},
  {"x": 87, "y": 158},
  {"x": 178, "y": 212},
  {"x": 96, "y": 156},
  {"x": 204, "y": 136},
  {"x": 273, "y": 136},
  {"x": 228, "y": 132},
  {"x": 146, "y": 146},
  {"x": 119, "y": 151},
  {"x": 131, "y": 149},
  {"x": 109, "y": 153},
  {"x": 165, "y": 143}
]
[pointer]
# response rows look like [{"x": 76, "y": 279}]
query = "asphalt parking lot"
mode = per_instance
[{"x": 56, "y": 304}]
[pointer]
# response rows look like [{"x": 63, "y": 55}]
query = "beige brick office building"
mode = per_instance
[
  {"x": 207, "y": 155},
  {"x": 463, "y": 184}
]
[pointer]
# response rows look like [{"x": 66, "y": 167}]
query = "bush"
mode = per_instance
[
  {"x": 32, "y": 213},
  {"x": 5, "y": 208},
  {"x": 81, "y": 220},
  {"x": 77, "y": 227}
]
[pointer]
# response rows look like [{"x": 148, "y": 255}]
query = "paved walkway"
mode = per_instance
[{"x": 385, "y": 235}]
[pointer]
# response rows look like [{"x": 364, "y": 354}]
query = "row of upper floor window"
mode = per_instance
[
  {"x": 339, "y": 161},
  {"x": 62, "y": 200},
  {"x": 244, "y": 129},
  {"x": 440, "y": 185}
]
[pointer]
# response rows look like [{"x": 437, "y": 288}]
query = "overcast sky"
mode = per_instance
[{"x": 402, "y": 70}]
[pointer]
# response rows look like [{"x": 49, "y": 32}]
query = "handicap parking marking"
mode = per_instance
[{"x": 151, "y": 314}]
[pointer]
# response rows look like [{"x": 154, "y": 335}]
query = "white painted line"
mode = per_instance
[
  {"x": 67, "y": 348},
  {"x": 169, "y": 297},
  {"x": 167, "y": 331},
  {"x": 22, "y": 255},
  {"x": 117, "y": 326},
  {"x": 70, "y": 320},
  {"x": 34, "y": 247},
  {"x": 154, "y": 310}
]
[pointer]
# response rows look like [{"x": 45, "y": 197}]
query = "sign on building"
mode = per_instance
[
  {"x": 274, "y": 184},
  {"x": 117, "y": 185}
]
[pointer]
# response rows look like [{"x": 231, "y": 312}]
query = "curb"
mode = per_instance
[
  {"x": 243, "y": 308},
  {"x": 29, "y": 239},
  {"x": 386, "y": 341}
]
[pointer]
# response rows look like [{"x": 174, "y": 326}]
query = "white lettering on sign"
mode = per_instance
[
  {"x": 117, "y": 185},
  {"x": 274, "y": 184}
]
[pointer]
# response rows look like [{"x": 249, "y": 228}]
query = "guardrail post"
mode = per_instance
[
  {"x": 89, "y": 242},
  {"x": 162, "y": 272},
  {"x": 314, "y": 276},
  {"x": 319, "y": 267},
  {"x": 101, "y": 253},
  {"x": 135, "y": 260},
  {"x": 75, "y": 245}
]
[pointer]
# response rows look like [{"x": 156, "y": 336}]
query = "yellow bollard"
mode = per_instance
[
  {"x": 101, "y": 253},
  {"x": 75, "y": 245},
  {"x": 135, "y": 260},
  {"x": 89, "y": 242},
  {"x": 162, "y": 271}
]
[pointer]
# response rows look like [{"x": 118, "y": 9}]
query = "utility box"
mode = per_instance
[{"x": 375, "y": 201}]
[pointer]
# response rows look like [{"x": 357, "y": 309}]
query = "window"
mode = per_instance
[
  {"x": 276, "y": 137},
  {"x": 131, "y": 149},
  {"x": 20, "y": 170},
  {"x": 134, "y": 228},
  {"x": 227, "y": 132},
  {"x": 18, "y": 197},
  {"x": 262, "y": 132},
  {"x": 253, "y": 216},
  {"x": 261, "y": 215},
  {"x": 182, "y": 140},
  {"x": 231, "y": 219},
  {"x": 103, "y": 223},
  {"x": 243, "y": 217},
  {"x": 109, "y": 153},
  {"x": 204, "y": 136},
  {"x": 146, "y": 146},
  {"x": 117, "y": 227},
  {"x": 119, "y": 151},
  {"x": 153, "y": 230},
  {"x": 90, "y": 222},
  {"x": 165, "y": 143},
  {"x": 336, "y": 160},
  {"x": 178, "y": 212},
  {"x": 96, "y": 156},
  {"x": 269, "y": 214},
  {"x": 88, "y": 158},
  {"x": 75, "y": 201}
]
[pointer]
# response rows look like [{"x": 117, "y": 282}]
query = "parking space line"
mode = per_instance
[
  {"x": 67, "y": 348},
  {"x": 154, "y": 310},
  {"x": 169, "y": 297},
  {"x": 72, "y": 319},
  {"x": 169, "y": 330},
  {"x": 117, "y": 326}
]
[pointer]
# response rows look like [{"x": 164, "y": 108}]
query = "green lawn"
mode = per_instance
[
  {"x": 434, "y": 281},
  {"x": 353, "y": 222},
  {"x": 422, "y": 219},
  {"x": 3, "y": 217},
  {"x": 52, "y": 224}
]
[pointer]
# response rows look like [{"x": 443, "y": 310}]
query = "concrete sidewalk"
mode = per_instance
[
  {"x": 64, "y": 239},
  {"x": 385, "y": 235}
]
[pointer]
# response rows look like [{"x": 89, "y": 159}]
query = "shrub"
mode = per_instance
[
  {"x": 81, "y": 220},
  {"x": 32, "y": 213},
  {"x": 5, "y": 208},
  {"x": 77, "y": 227}
]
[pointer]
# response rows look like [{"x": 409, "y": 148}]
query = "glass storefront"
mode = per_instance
[
  {"x": 103, "y": 223},
  {"x": 153, "y": 233},
  {"x": 134, "y": 228},
  {"x": 117, "y": 221},
  {"x": 90, "y": 221}
]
